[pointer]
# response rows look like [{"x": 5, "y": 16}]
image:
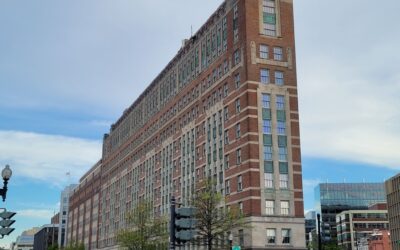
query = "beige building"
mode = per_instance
[{"x": 393, "y": 203}]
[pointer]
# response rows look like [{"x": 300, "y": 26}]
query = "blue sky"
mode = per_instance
[{"x": 68, "y": 69}]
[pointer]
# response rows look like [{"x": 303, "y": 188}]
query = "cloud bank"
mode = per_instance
[
  {"x": 47, "y": 157},
  {"x": 348, "y": 82}
]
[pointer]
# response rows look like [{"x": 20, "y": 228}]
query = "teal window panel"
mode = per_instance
[
  {"x": 268, "y": 167},
  {"x": 269, "y": 18},
  {"x": 282, "y": 140},
  {"x": 283, "y": 168},
  {"x": 267, "y": 139},
  {"x": 266, "y": 114},
  {"x": 281, "y": 115}
]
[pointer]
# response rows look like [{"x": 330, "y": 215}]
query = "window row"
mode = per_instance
[
  {"x": 265, "y": 77},
  {"x": 271, "y": 210},
  {"x": 285, "y": 236}
]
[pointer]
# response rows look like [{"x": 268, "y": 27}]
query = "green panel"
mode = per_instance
[
  {"x": 283, "y": 168},
  {"x": 266, "y": 113},
  {"x": 267, "y": 139},
  {"x": 269, "y": 18},
  {"x": 282, "y": 141},
  {"x": 268, "y": 167},
  {"x": 281, "y": 115}
]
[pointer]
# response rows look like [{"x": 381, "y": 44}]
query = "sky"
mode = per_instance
[{"x": 68, "y": 69}]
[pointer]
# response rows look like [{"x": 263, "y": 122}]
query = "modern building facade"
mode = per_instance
[
  {"x": 46, "y": 237},
  {"x": 225, "y": 107},
  {"x": 25, "y": 240},
  {"x": 392, "y": 187},
  {"x": 84, "y": 209},
  {"x": 357, "y": 226},
  {"x": 310, "y": 226},
  {"x": 63, "y": 214},
  {"x": 334, "y": 198}
]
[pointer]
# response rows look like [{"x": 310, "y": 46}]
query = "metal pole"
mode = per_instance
[
  {"x": 172, "y": 237},
  {"x": 319, "y": 231}
]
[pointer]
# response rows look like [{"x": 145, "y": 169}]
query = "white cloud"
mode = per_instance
[
  {"x": 47, "y": 157},
  {"x": 36, "y": 214},
  {"x": 348, "y": 82}
]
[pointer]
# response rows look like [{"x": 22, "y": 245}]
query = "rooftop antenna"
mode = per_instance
[
  {"x": 191, "y": 30},
  {"x": 68, "y": 174}
]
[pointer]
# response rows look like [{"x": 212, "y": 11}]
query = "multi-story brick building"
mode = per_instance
[
  {"x": 226, "y": 107},
  {"x": 84, "y": 210},
  {"x": 392, "y": 187}
]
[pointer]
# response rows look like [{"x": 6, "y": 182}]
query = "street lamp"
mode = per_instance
[
  {"x": 6, "y": 174},
  {"x": 230, "y": 238}
]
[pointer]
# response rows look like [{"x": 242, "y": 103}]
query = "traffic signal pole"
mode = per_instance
[{"x": 172, "y": 237}]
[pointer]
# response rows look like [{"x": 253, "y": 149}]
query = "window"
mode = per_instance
[
  {"x": 240, "y": 205},
  {"x": 269, "y": 17},
  {"x": 280, "y": 102},
  {"x": 238, "y": 130},
  {"x": 285, "y": 236},
  {"x": 279, "y": 78},
  {"x": 268, "y": 180},
  {"x": 284, "y": 207},
  {"x": 226, "y": 161},
  {"x": 238, "y": 156},
  {"x": 267, "y": 126},
  {"x": 263, "y": 51},
  {"x": 236, "y": 57},
  {"x": 267, "y": 153},
  {"x": 237, "y": 105},
  {"x": 278, "y": 54},
  {"x": 226, "y": 114},
  {"x": 241, "y": 237},
  {"x": 226, "y": 137},
  {"x": 269, "y": 207},
  {"x": 271, "y": 236},
  {"x": 281, "y": 127},
  {"x": 239, "y": 183},
  {"x": 266, "y": 101},
  {"x": 283, "y": 181},
  {"x": 237, "y": 80},
  {"x": 227, "y": 187},
  {"x": 226, "y": 89},
  {"x": 268, "y": 174},
  {"x": 264, "y": 76},
  {"x": 282, "y": 154}
]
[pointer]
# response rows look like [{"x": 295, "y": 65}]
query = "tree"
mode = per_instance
[
  {"x": 213, "y": 221},
  {"x": 144, "y": 231}
]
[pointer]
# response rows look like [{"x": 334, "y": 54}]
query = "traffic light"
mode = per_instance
[
  {"x": 185, "y": 223},
  {"x": 6, "y": 222}
]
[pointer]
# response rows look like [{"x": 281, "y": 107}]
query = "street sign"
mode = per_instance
[{"x": 236, "y": 248}]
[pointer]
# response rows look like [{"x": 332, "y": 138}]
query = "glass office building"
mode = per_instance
[{"x": 334, "y": 198}]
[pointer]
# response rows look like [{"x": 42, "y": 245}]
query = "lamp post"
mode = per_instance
[
  {"x": 230, "y": 237},
  {"x": 6, "y": 174}
]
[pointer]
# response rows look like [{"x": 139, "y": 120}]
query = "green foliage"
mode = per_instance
[
  {"x": 214, "y": 222},
  {"x": 53, "y": 247},
  {"x": 75, "y": 246},
  {"x": 143, "y": 231}
]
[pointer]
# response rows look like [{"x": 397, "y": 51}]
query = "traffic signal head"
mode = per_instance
[
  {"x": 6, "y": 223},
  {"x": 7, "y": 215},
  {"x": 6, "y": 231},
  {"x": 185, "y": 223}
]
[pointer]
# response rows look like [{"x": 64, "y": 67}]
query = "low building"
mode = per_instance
[
  {"x": 46, "y": 237},
  {"x": 25, "y": 240},
  {"x": 392, "y": 187},
  {"x": 355, "y": 227},
  {"x": 380, "y": 240},
  {"x": 310, "y": 226},
  {"x": 334, "y": 198}
]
